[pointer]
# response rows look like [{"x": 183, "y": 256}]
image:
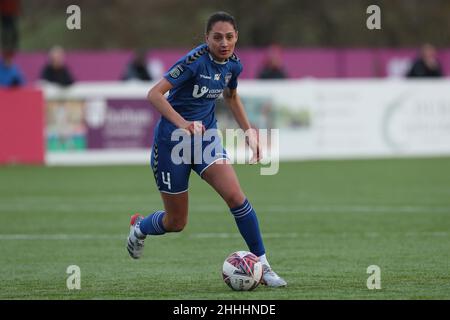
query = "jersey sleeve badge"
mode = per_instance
[{"x": 176, "y": 71}]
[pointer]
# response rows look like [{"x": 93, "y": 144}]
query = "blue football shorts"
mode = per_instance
[{"x": 172, "y": 161}]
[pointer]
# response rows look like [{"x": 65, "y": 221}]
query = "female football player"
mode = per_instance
[{"x": 194, "y": 83}]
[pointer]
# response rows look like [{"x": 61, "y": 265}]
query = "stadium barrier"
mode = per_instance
[
  {"x": 21, "y": 126},
  {"x": 111, "y": 123}
]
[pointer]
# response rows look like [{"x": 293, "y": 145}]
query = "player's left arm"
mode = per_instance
[{"x": 234, "y": 102}]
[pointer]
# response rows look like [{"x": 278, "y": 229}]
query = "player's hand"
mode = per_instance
[
  {"x": 253, "y": 142},
  {"x": 194, "y": 127}
]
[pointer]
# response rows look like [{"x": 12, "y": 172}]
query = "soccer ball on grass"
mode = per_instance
[{"x": 242, "y": 271}]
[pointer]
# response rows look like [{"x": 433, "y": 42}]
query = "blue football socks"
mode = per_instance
[
  {"x": 153, "y": 224},
  {"x": 248, "y": 226}
]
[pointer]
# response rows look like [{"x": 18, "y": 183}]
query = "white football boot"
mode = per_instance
[
  {"x": 135, "y": 243},
  {"x": 271, "y": 279}
]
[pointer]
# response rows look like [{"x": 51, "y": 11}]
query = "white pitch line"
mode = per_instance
[
  {"x": 60, "y": 237},
  {"x": 338, "y": 208},
  {"x": 273, "y": 208},
  {"x": 218, "y": 235},
  {"x": 237, "y": 235}
]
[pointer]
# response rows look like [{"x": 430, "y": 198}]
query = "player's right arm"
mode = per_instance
[{"x": 159, "y": 101}]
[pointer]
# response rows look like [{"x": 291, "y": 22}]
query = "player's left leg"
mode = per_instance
[
  {"x": 172, "y": 219},
  {"x": 172, "y": 181},
  {"x": 222, "y": 177}
]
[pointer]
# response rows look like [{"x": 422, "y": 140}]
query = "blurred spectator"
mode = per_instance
[
  {"x": 397, "y": 67},
  {"x": 10, "y": 74},
  {"x": 156, "y": 68},
  {"x": 9, "y": 15},
  {"x": 426, "y": 65},
  {"x": 137, "y": 68},
  {"x": 55, "y": 70},
  {"x": 272, "y": 67}
]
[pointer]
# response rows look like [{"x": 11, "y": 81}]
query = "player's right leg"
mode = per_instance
[
  {"x": 172, "y": 181},
  {"x": 221, "y": 176}
]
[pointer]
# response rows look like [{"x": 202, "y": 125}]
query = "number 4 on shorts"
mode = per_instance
[{"x": 166, "y": 179}]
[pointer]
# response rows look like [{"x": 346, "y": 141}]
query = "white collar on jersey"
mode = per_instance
[{"x": 219, "y": 62}]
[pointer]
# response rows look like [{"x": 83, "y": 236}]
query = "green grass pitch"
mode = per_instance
[{"x": 323, "y": 222}]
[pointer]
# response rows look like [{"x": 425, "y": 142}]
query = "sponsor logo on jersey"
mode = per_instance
[
  {"x": 197, "y": 94},
  {"x": 176, "y": 71},
  {"x": 211, "y": 93}
]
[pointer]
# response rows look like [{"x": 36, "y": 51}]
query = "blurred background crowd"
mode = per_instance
[{"x": 140, "y": 40}]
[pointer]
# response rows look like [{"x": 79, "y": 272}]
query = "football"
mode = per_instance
[{"x": 242, "y": 271}]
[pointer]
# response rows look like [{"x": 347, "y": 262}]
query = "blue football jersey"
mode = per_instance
[{"x": 198, "y": 80}]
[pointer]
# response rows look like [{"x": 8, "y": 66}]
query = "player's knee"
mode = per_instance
[
  {"x": 177, "y": 228},
  {"x": 235, "y": 199},
  {"x": 176, "y": 225}
]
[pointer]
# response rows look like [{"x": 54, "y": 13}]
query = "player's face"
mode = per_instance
[{"x": 221, "y": 40}]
